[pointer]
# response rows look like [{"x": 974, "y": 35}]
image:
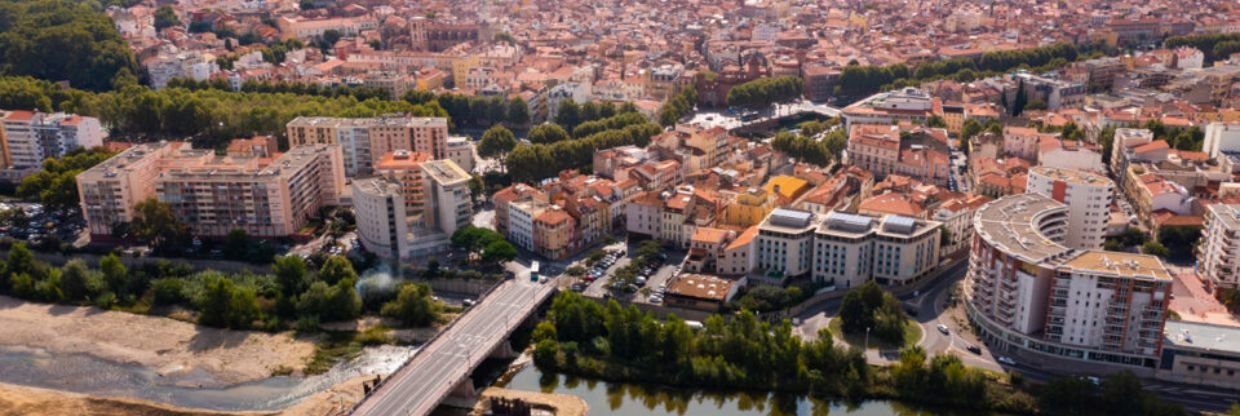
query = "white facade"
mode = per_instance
[
  {"x": 32, "y": 137},
  {"x": 785, "y": 243},
  {"x": 1218, "y": 257},
  {"x": 1220, "y": 138},
  {"x": 850, "y": 249},
  {"x": 521, "y": 223},
  {"x": 381, "y": 221},
  {"x": 1088, "y": 197},
  {"x": 643, "y": 217},
  {"x": 448, "y": 186},
  {"x": 461, "y": 151}
]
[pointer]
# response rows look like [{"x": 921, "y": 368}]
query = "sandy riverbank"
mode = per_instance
[
  {"x": 30, "y": 401},
  {"x": 166, "y": 345}
]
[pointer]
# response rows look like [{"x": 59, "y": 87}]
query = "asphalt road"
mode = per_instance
[{"x": 432, "y": 374}]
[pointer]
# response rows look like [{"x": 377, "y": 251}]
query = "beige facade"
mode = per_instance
[
  {"x": 365, "y": 140},
  {"x": 214, "y": 194}
]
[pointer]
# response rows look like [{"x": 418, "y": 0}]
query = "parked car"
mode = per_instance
[
  {"x": 469, "y": 302},
  {"x": 942, "y": 329},
  {"x": 655, "y": 299},
  {"x": 1006, "y": 360},
  {"x": 973, "y": 349}
]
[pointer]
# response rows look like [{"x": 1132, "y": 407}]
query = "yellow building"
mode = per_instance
[
  {"x": 786, "y": 188},
  {"x": 749, "y": 208}
]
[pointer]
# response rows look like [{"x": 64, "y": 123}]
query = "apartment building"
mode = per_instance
[
  {"x": 30, "y": 137},
  {"x": 405, "y": 168},
  {"x": 904, "y": 149},
  {"x": 382, "y": 216},
  {"x": 785, "y": 243},
  {"x": 214, "y": 194},
  {"x": 504, "y": 197},
  {"x": 1088, "y": 196},
  {"x": 739, "y": 257},
  {"x": 553, "y": 233},
  {"x": 850, "y": 249},
  {"x": 1123, "y": 148},
  {"x": 1221, "y": 138},
  {"x": 449, "y": 204},
  {"x": 1218, "y": 253},
  {"x": 460, "y": 150},
  {"x": 748, "y": 208},
  {"x": 908, "y": 104},
  {"x": 1028, "y": 291},
  {"x": 365, "y": 140}
]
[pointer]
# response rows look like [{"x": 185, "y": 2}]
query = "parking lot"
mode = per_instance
[
  {"x": 648, "y": 285},
  {"x": 33, "y": 223}
]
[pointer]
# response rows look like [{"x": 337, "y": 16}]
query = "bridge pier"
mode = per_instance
[
  {"x": 503, "y": 351},
  {"x": 463, "y": 396}
]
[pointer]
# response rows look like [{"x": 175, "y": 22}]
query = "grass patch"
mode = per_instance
[
  {"x": 344, "y": 345},
  {"x": 912, "y": 334}
]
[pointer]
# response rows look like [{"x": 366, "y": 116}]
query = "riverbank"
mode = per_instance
[
  {"x": 167, "y": 346},
  {"x": 30, "y": 401}
]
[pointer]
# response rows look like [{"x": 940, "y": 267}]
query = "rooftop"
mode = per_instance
[
  {"x": 1228, "y": 214},
  {"x": 1071, "y": 176},
  {"x": 1011, "y": 223},
  {"x": 701, "y": 287},
  {"x": 1120, "y": 264},
  {"x": 1200, "y": 336},
  {"x": 445, "y": 172}
]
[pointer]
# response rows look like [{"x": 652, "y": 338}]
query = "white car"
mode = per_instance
[
  {"x": 943, "y": 329},
  {"x": 1006, "y": 360}
]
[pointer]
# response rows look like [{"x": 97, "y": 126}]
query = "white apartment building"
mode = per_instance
[
  {"x": 1221, "y": 138},
  {"x": 461, "y": 150},
  {"x": 850, "y": 249},
  {"x": 521, "y": 216},
  {"x": 1122, "y": 145},
  {"x": 382, "y": 222},
  {"x": 1088, "y": 196},
  {"x": 449, "y": 206},
  {"x": 1218, "y": 254},
  {"x": 1027, "y": 291},
  {"x": 785, "y": 243},
  {"x": 30, "y": 137}
]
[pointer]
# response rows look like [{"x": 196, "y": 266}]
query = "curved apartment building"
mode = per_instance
[{"x": 1029, "y": 291}]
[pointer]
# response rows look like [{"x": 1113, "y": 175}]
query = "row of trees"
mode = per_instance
[
  {"x": 533, "y": 162},
  {"x": 861, "y": 80},
  {"x": 292, "y": 293},
  {"x": 582, "y": 336},
  {"x": 762, "y": 92},
  {"x": 62, "y": 40},
  {"x": 361, "y": 93},
  {"x": 475, "y": 111},
  {"x": 569, "y": 113},
  {"x": 1117, "y": 394},
  {"x": 1215, "y": 46}
]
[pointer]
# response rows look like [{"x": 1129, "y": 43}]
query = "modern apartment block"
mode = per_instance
[
  {"x": 30, "y": 137},
  {"x": 214, "y": 194},
  {"x": 1027, "y": 290},
  {"x": 413, "y": 207},
  {"x": 1218, "y": 253},
  {"x": 365, "y": 140},
  {"x": 850, "y": 249},
  {"x": 785, "y": 243},
  {"x": 1088, "y": 197}
]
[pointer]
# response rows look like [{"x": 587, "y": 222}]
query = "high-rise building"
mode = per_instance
[
  {"x": 1088, "y": 197},
  {"x": 1218, "y": 254},
  {"x": 365, "y": 140},
  {"x": 391, "y": 225},
  {"x": 214, "y": 194},
  {"x": 1026, "y": 290},
  {"x": 30, "y": 137}
]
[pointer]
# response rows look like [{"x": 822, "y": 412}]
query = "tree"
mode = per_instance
[
  {"x": 291, "y": 274},
  {"x": 1107, "y": 139},
  {"x": 114, "y": 274},
  {"x": 337, "y": 269},
  {"x": 496, "y": 142},
  {"x": 499, "y": 251},
  {"x": 166, "y": 17},
  {"x": 547, "y": 133},
  {"x": 154, "y": 223},
  {"x": 936, "y": 122},
  {"x": 1021, "y": 99},
  {"x": 1155, "y": 248},
  {"x": 568, "y": 114},
  {"x": 226, "y": 305},
  {"x": 518, "y": 112},
  {"x": 330, "y": 302},
  {"x": 78, "y": 283},
  {"x": 62, "y": 41},
  {"x": 414, "y": 306},
  {"x": 477, "y": 188}
]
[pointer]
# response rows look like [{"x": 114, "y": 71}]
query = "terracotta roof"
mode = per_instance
[
  {"x": 744, "y": 238},
  {"x": 1152, "y": 146},
  {"x": 892, "y": 203},
  {"x": 710, "y": 235}
]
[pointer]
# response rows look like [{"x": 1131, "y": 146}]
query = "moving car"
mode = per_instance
[
  {"x": 943, "y": 329},
  {"x": 973, "y": 349},
  {"x": 1006, "y": 360}
]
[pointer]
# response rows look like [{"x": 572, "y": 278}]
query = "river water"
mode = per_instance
[
  {"x": 622, "y": 399},
  {"x": 87, "y": 374}
]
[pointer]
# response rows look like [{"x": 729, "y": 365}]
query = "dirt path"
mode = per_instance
[{"x": 168, "y": 346}]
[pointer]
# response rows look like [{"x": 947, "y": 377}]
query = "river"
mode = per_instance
[
  {"x": 622, "y": 399},
  {"x": 87, "y": 374}
]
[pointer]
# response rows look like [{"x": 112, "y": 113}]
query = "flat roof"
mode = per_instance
[
  {"x": 1072, "y": 175},
  {"x": 1227, "y": 214},
  {"x": 700, "y": 286},
  {"x": 1008, "y": 223},
  {"x": 1201, "y": 336},
  {"x": 1119, "y": 263},
  {"x": 445, "y": 171}
]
